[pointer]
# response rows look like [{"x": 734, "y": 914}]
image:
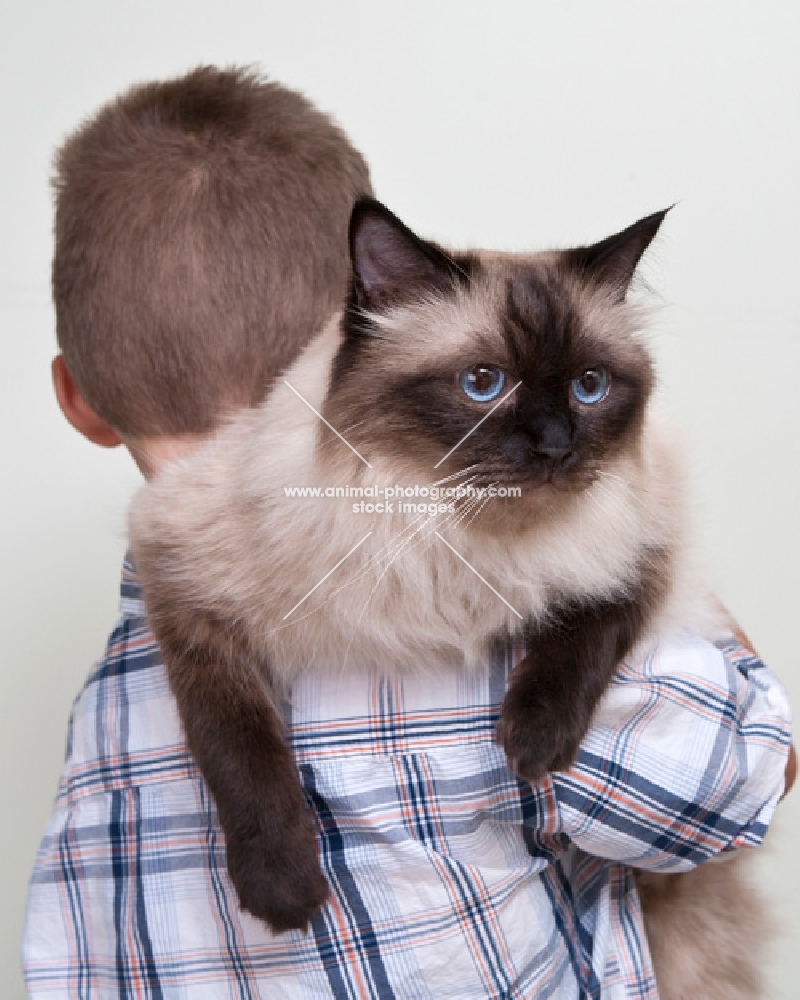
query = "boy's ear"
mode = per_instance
[{"x": 77, "y": 410}]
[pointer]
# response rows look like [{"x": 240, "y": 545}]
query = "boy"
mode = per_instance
[{"x": 200, "y": 243}]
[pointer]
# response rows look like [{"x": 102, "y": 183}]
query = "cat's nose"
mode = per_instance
[
  {"x": 552, "y": 440},
  {"x": 555, "y": 452},
  {"x": 559, "y": 456}
]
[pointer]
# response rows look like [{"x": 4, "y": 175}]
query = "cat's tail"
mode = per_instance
[{"x": 708, "y": 930}]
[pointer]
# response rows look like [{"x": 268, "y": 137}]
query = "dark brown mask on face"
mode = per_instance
[{"x": 539, "y": 351}]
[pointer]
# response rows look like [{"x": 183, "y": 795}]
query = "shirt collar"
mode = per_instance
[{"x": 130, "y": 592}]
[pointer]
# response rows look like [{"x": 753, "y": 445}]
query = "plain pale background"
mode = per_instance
[{"x": 513, "y": 125}]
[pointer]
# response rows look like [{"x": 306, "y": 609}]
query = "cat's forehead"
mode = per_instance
[
  {"x": 518, "y": 308},
  {"x": 432, "y": 326}
]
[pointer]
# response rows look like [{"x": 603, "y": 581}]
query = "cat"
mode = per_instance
[{"x": 473, "y": 369}]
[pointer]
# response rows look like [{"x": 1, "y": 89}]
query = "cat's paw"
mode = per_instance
[
  {"x": 537, "y": 740},
  {"x": 279, "y": 880}
]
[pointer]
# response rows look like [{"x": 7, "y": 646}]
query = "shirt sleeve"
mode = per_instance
[
  {"x": 130, "y": 897},
  {"x": 70, "y": 916},
  {"x": 685, "y": 758},
  {"x": 104, "y": 907}
]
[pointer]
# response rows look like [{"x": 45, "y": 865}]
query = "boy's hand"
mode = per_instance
[
  {"x": 791, "y": 771},
  {"x": 791, "y": 763}
]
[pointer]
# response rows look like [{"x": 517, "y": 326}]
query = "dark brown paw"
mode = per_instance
[
  {"x": 535, "y": 739},
  {"x": 279, "y": 880}
]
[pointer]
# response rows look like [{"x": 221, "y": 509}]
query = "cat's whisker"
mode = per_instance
[
  {"x": 476, "y": 513},
  {"x": 455, "y": 475},
  {"x": 349, "y": 428},
  {"x": 468, "y": 507},
  {"x": 606, "y": 477},
  {"x": 313, "y": 610},
  {"x": 365, "y": 569},
  {"x": 464, "y": 510},
  {"x": 460, "y": 516},
  {"x": 473, "y": 512},
  {"x": 612, "y": 489}
]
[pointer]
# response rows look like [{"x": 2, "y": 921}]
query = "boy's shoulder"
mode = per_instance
[{"x": 124, "y": 728}]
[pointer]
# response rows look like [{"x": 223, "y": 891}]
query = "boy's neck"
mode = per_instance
[{"x": 152, "y": 454}]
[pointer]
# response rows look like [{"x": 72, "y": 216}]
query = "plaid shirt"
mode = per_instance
[{"x": 449, "y": 878}]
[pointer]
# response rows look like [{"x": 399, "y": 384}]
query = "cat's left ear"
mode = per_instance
[
  {"x": 390, "y": 263},
  {"x": 612, "y": 262}
]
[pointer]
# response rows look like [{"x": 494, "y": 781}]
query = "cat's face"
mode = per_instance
[{"x": 519, "y": 370}]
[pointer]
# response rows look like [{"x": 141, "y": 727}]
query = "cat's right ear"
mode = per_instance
[
  {"x": 612, "y": 261},
  {"x": 390, "y": 263}
]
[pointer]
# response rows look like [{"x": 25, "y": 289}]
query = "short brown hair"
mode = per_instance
[{"x": 200, "y": 242}]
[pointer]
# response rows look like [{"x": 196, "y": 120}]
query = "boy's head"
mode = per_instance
[{"x": 200, "y": 242}]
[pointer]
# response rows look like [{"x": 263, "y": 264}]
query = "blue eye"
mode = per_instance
[
  {"x": 483, "y": 383},
  {"x": 592, "y": 386}
]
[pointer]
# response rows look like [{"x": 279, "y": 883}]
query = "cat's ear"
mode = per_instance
[
  {"x": 389, "y": 262},
  {"x": 612, "y": 261}
]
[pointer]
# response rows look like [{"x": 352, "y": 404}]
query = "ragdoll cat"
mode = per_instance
[{"x": 475, "y": 369}]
